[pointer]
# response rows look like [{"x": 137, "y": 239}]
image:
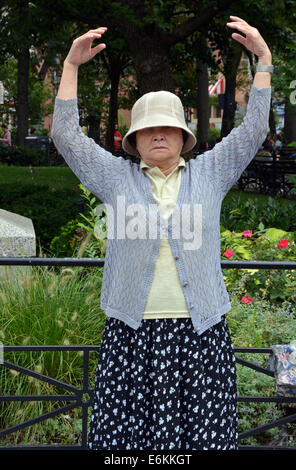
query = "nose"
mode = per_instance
[{"x": 158, "y": 134}]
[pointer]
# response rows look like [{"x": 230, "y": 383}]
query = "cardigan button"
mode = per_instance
[
  {"x": 176, "y": 257},
  {"x": 185, "y": 284}
]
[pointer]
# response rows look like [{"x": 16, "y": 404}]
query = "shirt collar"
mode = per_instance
[{"x": 144, "y": 165}]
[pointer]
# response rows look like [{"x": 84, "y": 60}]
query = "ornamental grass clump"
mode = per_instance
[{"x": 48, "y": 306}]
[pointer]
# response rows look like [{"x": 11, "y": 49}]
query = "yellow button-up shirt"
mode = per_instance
[{"x": 166, "y": 298}]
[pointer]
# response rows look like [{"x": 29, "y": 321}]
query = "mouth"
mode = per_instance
[{"x": 158, "y": 148}]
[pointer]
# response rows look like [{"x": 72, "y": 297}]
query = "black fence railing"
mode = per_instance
[
  {"x": 82, "y": 397},
  {"x": 269, "y": 176},
  {"x": 77, "y": 397}
]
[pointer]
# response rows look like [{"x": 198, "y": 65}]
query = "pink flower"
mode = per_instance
[
  {"x": 228, "y": 253},
  {"x": 79, "y": 229},
  {"x": 246, "y": 299},
  {"x": 247, "y": 233},
  {"x": 283, "y": 243}
]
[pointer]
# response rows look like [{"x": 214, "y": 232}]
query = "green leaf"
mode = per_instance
[
  {"x": 241, "y": 250},
  {"x": 274, "y": 234}
]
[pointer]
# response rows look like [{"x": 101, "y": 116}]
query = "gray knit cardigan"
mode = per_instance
[{"x": 135, "y": 224}]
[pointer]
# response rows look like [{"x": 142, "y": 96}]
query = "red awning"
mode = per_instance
[{"x": 217, "y": 87}]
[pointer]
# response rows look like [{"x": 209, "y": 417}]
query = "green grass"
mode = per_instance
[
  {"x": 48, "y": 197},
  {"x": 48, "y": 306},
  {"x": 260, "y": 199},
  {"x": 56, "y": 177},
  {"x": 63, "y": 177}
]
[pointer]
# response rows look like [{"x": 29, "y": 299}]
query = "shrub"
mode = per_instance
[
  {"x": 64, "y": 244},
  {"x": 34, "y": 202},
  {"x": 22, "y": 156},
  {"x": 237, "y": 213},
  {"x": 83, "y": 238},
  {"x": 264, "y": 244}
]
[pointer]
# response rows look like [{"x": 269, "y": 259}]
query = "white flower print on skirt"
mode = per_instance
[{"x": 164, "y": 387}]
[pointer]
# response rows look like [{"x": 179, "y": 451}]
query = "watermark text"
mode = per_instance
[{"x": 136, "y": 221}]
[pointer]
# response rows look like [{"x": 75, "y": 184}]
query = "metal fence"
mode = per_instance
[
  {"x": 77, "y": 397},
  {"x": 269, "y": 177},
  {"x": 83, "y": 397}
]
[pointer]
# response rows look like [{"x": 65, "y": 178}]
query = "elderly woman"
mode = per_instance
[{"x": 166, "y": 374}]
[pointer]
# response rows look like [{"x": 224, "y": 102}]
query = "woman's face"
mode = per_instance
[{"x": 159, "y": 144}]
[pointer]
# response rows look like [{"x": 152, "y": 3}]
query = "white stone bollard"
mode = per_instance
[{"x": 17, "y": 239}]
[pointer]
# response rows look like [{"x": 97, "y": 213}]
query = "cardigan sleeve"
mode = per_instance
[
  {"x": 97, "y": 169},
  {"x": 225, "y": 163}
]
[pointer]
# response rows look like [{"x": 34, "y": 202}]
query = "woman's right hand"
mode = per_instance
[{"x": 81, "y": 50}]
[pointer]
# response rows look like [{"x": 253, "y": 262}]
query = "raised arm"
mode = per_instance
[
  {"x": 97, "y": 169},
  {"x": 225, "y": 163},
  {"x": 80, "y": 52},
  {"x": 255, "y": 43}
]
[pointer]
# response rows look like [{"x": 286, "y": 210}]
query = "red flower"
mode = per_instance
[
  {"x": 247, "y": 233},
  {"x": 228, "y": 253},
  {"x": 246, "y": 299},
  {"x": 283, "y": 243}
]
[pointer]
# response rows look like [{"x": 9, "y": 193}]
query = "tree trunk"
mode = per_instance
[
  {"x": 231, "y": 65},
  {"x": 203, "y": 102},
  {"x": 151, "y": 59},
  {"x": 94, "y": 128},
  {"x": 22, "y": 107},
  {"x": 153, "y": 73},
  {"x": 290, "y": 122}
]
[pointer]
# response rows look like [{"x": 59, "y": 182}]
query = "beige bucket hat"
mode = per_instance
[{"x": 158, "y": 108}]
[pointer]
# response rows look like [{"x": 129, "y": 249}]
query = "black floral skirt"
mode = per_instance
[{"x": 164, "y": 387}]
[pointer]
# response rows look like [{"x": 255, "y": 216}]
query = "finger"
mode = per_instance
[
  {"x": 92, "y": 33},
  {"x": 98, "y": 30},
  {"x": 95, "y": 50},
  {"x": 239, "y": 38},
  {"x": 87, "y": 35},
  {"x": 92, "y": 36},
  {"x": 239, "y": 26},
  {"x": 236, "y": 18},
  {"x": 245, "y": 29}
]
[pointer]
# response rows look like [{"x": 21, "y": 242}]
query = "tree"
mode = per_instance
[
  {"x": 39, "y": 95},
  {"x": 116, "y": 61},
  {"x": 150, "y": 29},
  {"x": 283, "y": 81},
  {"x": 190, "y": 62},
  {"x": 14, "y": 28},
  {"x": 93, "y": 96},
  {"x": 271, "y": 19},
  {"x": 25, "y": 28}
]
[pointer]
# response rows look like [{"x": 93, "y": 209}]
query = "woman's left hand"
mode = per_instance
[{"x": 253, "y": 40}]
